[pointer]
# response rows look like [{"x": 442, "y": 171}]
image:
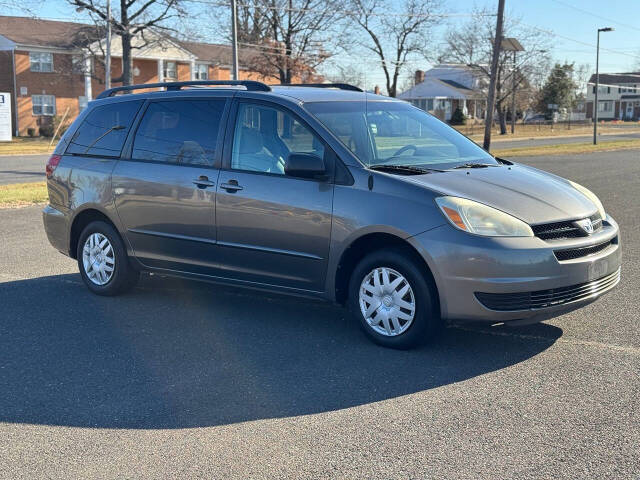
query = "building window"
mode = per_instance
[
  {"x": 43, "y": 104},
  {"x": 429, "y": 104},
  {"x": 605, "y": 106},
  {"x": 202, "y": 71},
  {"x": 169, "y": 71},
  {"x": 41, "y": 62}
]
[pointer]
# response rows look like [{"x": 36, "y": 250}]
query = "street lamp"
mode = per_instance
[{"x": 595, "y": 103}]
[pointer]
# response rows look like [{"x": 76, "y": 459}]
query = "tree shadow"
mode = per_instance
[{"x": 178, "y": 354}]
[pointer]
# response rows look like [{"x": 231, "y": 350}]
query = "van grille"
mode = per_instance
[
  {"x": 560, "y": 230},
  {"x": 573, "y": 253},
  {"x": 547, "y": 298}
]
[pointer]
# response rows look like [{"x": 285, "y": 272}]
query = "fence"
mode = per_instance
[{"x": 535, "y": 128}]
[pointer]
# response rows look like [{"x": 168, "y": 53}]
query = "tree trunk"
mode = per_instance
[
  {"x": 127, "y": 60},
  {"x": 502, "y": 118}
]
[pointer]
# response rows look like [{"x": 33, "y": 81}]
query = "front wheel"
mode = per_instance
[
  {"x": 103, "y": 261},
  {"x": 393, "y": 300}
]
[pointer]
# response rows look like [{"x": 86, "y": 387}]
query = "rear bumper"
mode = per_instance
[
  {"x": 56, "y": 226},
  {"x": 503, "y": 279}
]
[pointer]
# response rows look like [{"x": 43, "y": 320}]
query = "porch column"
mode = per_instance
[
  {"x": 193, "y": 69},
  {"x": 160, "y": 70},
  {"x": 87, "y": 77}
]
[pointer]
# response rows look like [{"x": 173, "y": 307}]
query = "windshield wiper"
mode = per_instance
[
  {"x": 405, "y": 168},
  {"x": 473, "y": 165},
  {"x": 112, "y": 129}
]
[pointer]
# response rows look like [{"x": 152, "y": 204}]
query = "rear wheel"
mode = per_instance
[
  {"x": 103, "y": 262},
  {"x": 393, "y": 300}
]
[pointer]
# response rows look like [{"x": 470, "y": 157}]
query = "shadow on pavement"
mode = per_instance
[{"x": 176, "y": 354}]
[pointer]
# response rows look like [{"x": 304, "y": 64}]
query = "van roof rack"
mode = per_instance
[
  {"x": 341, "y": 86},
  {"x": 251, "y": 85}
]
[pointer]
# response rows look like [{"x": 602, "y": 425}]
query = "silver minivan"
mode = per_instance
[{"x": 322, "y": 191}]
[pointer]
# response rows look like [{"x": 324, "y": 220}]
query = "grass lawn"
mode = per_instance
[
  {"x": 568, "y": 148},
  {"x": 24, "y": 145},
  {"x": 558, "y": 130},
  {"x": 20, "y": 194}
]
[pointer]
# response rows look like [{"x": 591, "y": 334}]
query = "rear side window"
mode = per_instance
[
  {"x": 181, "y": 132},
  {"x": 104, "y": 130}
]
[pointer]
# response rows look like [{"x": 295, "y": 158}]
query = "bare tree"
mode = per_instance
[
  {"x": 136, "y": 17},
  {"x": 471, "y": 43},
  {"x": 287, "y": 39},
  {"x": 347, "y": 73},
  {"x": 393, "y": 36}
]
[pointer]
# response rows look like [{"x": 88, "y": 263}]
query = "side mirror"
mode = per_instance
[{"x": 304, "y": 165}]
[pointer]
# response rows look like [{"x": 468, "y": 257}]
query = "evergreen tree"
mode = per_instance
[{"x": 559, "y": 88}]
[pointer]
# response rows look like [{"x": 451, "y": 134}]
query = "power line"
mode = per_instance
[
  {"x": 587, "y": 12},
  {"x": 346, "y": 12},
  {"x": 551, "y": 32}
]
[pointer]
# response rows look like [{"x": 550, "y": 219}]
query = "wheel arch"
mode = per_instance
[
  {"x": 81, "y": 220},
  {"x": 371, "y": 242}
]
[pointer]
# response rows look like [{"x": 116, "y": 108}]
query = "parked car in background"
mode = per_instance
[
  {"x": 537, "y": 118},
  {"x": 327, "y": 192}
]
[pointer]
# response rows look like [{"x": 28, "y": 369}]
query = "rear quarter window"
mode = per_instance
[
  {"x": 104, "y": 130},
  {"x": 180, "y": 131}
]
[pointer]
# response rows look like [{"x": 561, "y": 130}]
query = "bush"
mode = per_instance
[
  {"x": 31, "y": 132},
  {"x": 46, "y": 131},
  {"x": 458, "y": 118}
]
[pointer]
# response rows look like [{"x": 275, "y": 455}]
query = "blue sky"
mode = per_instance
[{"x": 567, "y": 18}]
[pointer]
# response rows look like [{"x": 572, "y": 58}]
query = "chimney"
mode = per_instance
[
  {"x": 418, "y": 77},
  {"x": 376, "y": 90}
]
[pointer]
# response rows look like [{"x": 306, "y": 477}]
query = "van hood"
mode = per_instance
[{"x": 527, "y": 193}]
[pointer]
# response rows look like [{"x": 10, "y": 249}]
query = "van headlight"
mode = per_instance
[
  {"x": 474, "y": 217},
  {"x": 591, "y": 196}
]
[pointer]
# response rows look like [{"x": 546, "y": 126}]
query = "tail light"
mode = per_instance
[{"x": 53, "y": 162}]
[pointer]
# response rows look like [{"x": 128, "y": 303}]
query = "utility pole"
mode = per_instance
[
  {"x": 491, "y": 97},
  {"x": 513, "y": 95},
  {"x": 595, "y": 103},
  {"x": 107, "y": 60},
  {"x": 234, "y": 39}
]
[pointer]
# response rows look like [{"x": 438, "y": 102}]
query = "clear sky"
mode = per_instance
[{"x": 573, "y": 23}]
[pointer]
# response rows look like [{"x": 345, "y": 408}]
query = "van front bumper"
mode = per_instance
[{"x": 503, "y": 279}]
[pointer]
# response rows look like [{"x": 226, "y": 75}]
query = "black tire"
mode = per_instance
[
  {"x": 124, "y": 276},
  {"x": 426, "y": 321}
]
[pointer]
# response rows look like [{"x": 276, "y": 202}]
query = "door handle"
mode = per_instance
[
  {"x": 203, "y": 182},
  {"x": 231, "y": 186}
]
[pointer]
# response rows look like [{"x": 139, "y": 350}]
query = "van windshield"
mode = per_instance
[{"x": 385, "y": 133}]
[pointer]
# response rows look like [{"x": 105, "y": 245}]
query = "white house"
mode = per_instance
[
  {"x": 618, "y": 96},
  {"x": 446, "y": 87}
]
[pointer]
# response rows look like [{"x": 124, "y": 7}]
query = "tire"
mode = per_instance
[
  {"x": 113, "y": 274},
  {"x": 391, "y": 301}
]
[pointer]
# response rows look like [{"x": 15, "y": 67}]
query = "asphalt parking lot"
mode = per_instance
[{"x": 181, "y": 379}]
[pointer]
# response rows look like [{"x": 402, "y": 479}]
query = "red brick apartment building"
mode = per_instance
[{"x": 48, "y": 70}]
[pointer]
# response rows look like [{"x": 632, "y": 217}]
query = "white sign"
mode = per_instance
[{"x": 5, "y": 117}]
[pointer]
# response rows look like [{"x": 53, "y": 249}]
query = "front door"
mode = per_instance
[
  {"x": 272, "y": 228},
  {"x": 165, "y": 192}
]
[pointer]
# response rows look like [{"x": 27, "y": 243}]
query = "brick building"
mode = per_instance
[{"x": 49, "y": 70}]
